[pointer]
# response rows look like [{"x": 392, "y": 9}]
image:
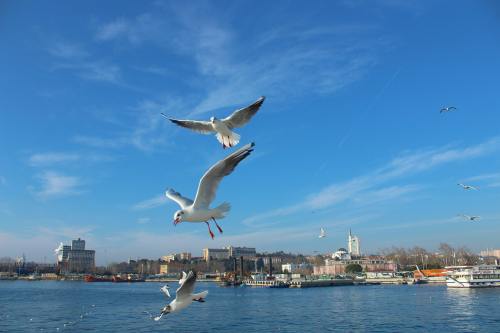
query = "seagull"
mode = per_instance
[
  {"x": 447, "y": 109},
  {"x": 470, "y": 218},
  {"x": 467, "y": 187},
  {"x": 165, "y": 289},
  {"x": 223, "y": 127},
  {"x": 199, "y": 210},
  {"x": 322, "y": 233},
  {"x": 184, "y": 296}
]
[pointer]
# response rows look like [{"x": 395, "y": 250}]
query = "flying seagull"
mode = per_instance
[
  {"x": 165, "y": 290},
  {"x": 447, "y": 109},
  {"x": 223, "y": 127},
  {"x": 470, "y": 218},
  {"x": 322, "y": 233},
  {"x": 184, "y": 296},
  {"x": 467, "y": 187},
  {"x": 199, "y": 210}
]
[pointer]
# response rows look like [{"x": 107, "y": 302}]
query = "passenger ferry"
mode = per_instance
[{"x": 480, "y": 276}]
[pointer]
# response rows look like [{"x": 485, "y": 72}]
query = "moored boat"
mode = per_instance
[{"x": 479, "y": 276}]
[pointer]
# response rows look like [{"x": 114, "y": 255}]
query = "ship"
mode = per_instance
[
  {"x": 479, "y": 276},
  {"x": 95, "y": 278},
  {"x": 127, "y": 278}
]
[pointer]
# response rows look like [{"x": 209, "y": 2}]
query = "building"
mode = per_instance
[
  {"x": 74, "y": 258},
  {"x": 215, "y": 254},
  {"x": 341, "y": 254},
  {"x": 171, "y": 268},
  {"x": 369, "y": 264},
  {"x": 177, "y": 256},
  {"x": 490, "y": 253},
  {"x": 353, "y": 245},
  {"x": 245, "y": 252},
  {"x": 185, "y": 256},
  {"x": 168, "y": 258}
]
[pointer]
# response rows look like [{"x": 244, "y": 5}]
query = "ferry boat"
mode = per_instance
[
  {"x": 95, "y": 278},
  {"x": 480, "y": 276}
]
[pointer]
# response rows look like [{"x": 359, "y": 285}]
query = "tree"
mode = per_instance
[{"x": 353, "y": 268}]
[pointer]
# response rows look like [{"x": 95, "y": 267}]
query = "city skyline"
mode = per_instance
[{"x": 350, "y": 134}]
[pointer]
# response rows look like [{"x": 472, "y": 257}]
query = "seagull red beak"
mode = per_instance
[{"x": 177, "y": 221}]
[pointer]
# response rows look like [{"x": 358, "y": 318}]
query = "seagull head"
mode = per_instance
[
  {"x": 212, "y": 119},
  {"x": 166, "y": 310},
  {"x": 178, "y": 216}
]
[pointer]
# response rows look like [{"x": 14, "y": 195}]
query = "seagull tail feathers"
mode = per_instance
[
  {"x": 228, "y": 141},
  {"x": 224, "y": 208}
]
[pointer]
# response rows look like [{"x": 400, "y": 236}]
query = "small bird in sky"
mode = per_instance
[
  {"x": 467, "y": 187},
  {"x": 184, "y": 296},
  {"x": 322, "y": 233},
  {"x": 470, "y": 218},
  {"x": 199, "y": 210},
  {"x": 222, "y": 127},
  {"x": 447, "y": 109}
]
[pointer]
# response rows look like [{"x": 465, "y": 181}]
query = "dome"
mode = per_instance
[{"x": 342, "y": 250}]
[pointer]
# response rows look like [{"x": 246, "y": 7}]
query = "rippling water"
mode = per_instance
[{"x": 106, "y": 307}]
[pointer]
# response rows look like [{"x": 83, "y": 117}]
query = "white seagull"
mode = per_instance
[
  {"x": 223, "y": 127},
  {"x": 165, "y": 290},
  {"x": 199, "y": 210},
  {"x": 447, "y": 109},
  {"x": 184, "y": 296},
  {"x": 467, "y": 187},
  {"x": 470, "y": 218},
  {"x": 322, "y": 233}
]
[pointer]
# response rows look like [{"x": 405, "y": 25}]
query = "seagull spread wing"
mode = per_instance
[
  {"x": 185, "y": 291},
  {"x": 203, "y": 127},
  {"x": 177, "y": 197},
  {"x": 164, "y": 289},
  {"x": 242, "y": 116},
  {"x": 212, "y": 178}
]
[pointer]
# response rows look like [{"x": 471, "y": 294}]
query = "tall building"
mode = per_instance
[
  {"x": 215, "y": 254},
  {"x": 74, "y": 258},
  {"x": 491, "y": 253},
  {"x": 353, "y": 245},
  {"x": 245, "y": 252}
]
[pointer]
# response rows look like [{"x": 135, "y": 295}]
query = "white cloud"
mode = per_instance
[
  {"x": 3, "y": 180},
  {"x": 45, "y": 159},
  {"x": 66, "y": 50},
  {"x": 366, "y": 188},
  {"x": 112, "y": 30},
  {"x": 154, "y": 202},
  {"x": 57, "y": 185},
  {"x": 143, "y": 220},
  {"x": 488, "y": 179}
]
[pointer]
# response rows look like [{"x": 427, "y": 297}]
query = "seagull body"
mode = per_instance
[
  {"x": 184, "y": 296},
  {"x": 467, "y": 187},
  {"x": 322, "y": 233},
  {"x": 223, "y": 127},
  {"x": 199, "y": 210},
  {"x": 471, "y": 218},
  {"x": 447, "y": 109},
  {"x": 165, "y": 290}
]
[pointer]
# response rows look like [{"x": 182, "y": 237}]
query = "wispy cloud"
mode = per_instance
[
  {"x": 143, "y": 220},
  {"x": 57, "y": 185},
  {"x": 154, "y": 202},
  {"x": 488, "y": 179},
  {"x": 45, "y": 159},
  {"x": 366, "y": 188},
  {"x": 3, "y": 180},
  {"x": 67, "y": 50}
]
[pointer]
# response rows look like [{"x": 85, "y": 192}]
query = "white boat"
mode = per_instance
[{"x": 480, "y": 276}]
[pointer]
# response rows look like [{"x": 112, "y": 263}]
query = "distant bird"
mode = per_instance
[
  {"x": 467, "y": 187},
  {"x": 184, "y": 296},
  {"x": 199, "y": 210},
  {"x": 165, "y": 289},
  {"x": 447, "y": 109},
  {"x": 223, "y": 127},
  {"x": 470, "y": 218},
  {"x": 322, "y": 233}
]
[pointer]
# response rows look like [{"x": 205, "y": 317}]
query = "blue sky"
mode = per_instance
[{"x": 350, "y": 135}]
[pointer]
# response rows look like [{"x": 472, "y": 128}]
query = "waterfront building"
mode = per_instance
[
  {"x": 353, "y": 245},
  {"x": 491, "y": 253},
  {"x": 74, "y": 258},
  {"x": 215, "y": 254},
  {"x": 171, "y": 267},
  {"x": 168, "y": 258},
  {"x": 185, "y": 256},
  {"x": 369, "y": 264},
  {"x": 245, "y": 252},
  {"x": 341, "y": 254}
]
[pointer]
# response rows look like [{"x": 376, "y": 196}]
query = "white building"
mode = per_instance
[
  {"x": 341, "y": 254},
  {"x": 353, "y": 245},
  {"x": 215, "y": 254},
  {"x": 74, "y": 258},
  {"x": 245, "y": 252}
]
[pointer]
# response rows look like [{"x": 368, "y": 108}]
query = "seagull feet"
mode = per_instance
[
  {"x": 209, "y": 230},
  {"x": 217, "y": 225},
  {"x": 201, "y": 300}
]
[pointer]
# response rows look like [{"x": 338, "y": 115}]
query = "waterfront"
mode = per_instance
[{"x": 120, "y": 307}]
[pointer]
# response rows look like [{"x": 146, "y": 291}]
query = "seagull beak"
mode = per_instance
[{"x": 177, "y": 221}]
